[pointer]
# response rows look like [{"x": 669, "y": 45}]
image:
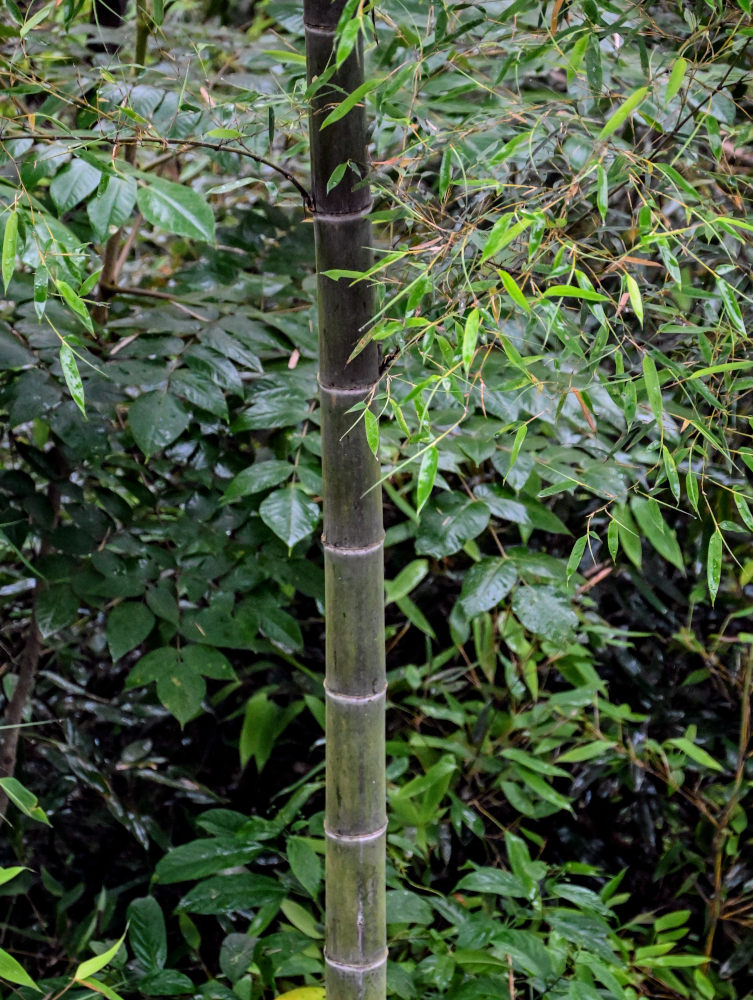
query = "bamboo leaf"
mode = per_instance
[
  {"x": 92, "y": 965},
  {"x": 354, "y": 98},
  {"x": 634, "y": 294},
  {"x": 72, "y": 376},
  {"x": 41, "y": 281},
  {"x": 744, "y": 510},
  {"x": 12, "y": 972},
  {"x": 520, "y": 436},
  {"x": 573, "y": 292},
  {"x": 371, "y": 428},
  {"x": 602, "y": 192},
  {"x": 691, "y": 488},
  {"x": 653, "y": 388},
  {"x": 445, "y": 169},
  {"x": 731, "y": 305},
  {"x": 623, "y": 112},
  {"x": 426, "y": 475},
  {"x": 714, "y": 564},
  {"x": 10, "y": 243},
  {"x": 513, "y": 291},
  {"x": 576, "y": 555},
  {"x": 671, "y": 470},
  {"x": 75, "y": 303},
  {"x": 502, "y": 233},
  {"x": 696, "y": 753},
  {"x": 676, "y": 77},
  {"x": 470, "y": 337},
  {"x": 23, "y": 799},
  {"x": 613, "y": 539}
]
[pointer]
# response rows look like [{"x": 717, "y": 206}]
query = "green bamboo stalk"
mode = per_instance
[{"x": 355, "y": 683}]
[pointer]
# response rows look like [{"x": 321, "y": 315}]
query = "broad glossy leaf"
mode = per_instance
[
  {"x": 494, "y": 882},
  {"x": 545, "y": 612},
  {"x": 147, "y": 934},
  {"x": 406, "y": 907},
  {"x": 263, "y": 722},
  {"x": 152, "y": 666},
  {"x": 449, "y": 521},
  {"x": 200, "y": 391},
  {"x": 225, "y": 894},
  {"x": 128, "y": 624},
  {"x": 113, "y": 207},
  {"x": 166, "y": 983},
  {"x": 73, "y": 183},
  {"x": 204, "y": 857},
  {"x": 13, "y": 353},
  {"x": 257, "y": 477},
  {"x": 305, "y": 864},
  {"x": 290, "y": 514},
  {"x": 486, "y": 584},
  {"x": 181, "y": 692},
  {"x": 57, "y": 607},
  {"x": 156, "y": 419},
  {"x": 176, "y": 209},
  {"x": 25, "y": 800},
  {"x": 208, "y": 661}
]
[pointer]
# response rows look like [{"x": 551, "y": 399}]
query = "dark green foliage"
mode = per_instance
[{"x": 568, "y": 412}]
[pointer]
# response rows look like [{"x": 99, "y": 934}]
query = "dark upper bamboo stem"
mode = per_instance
[{"x": 353, "y": 535}]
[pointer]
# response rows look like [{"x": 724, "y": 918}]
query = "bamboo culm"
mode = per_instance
[{"x": 355, "y": 682}]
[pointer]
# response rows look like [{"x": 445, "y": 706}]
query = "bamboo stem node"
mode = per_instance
[
  {"x": 357, "y": 966},
  {"x": 355, "y": 838},
  {"x": 358, "y": 699}
]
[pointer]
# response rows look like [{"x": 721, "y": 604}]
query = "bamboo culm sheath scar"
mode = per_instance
[{"x": 355, "y": 821}]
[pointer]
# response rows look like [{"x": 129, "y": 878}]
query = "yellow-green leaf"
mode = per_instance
[
  {"x": 470, "y": 337},
  {"x": 12, "y": 972},
  {"x": 634, "y": 294},
  {"x": 675, "y": 78},
  {"x": 10, "y": 242},
  {"x": 303, "y": 993},
  {"x": 93, "y": 965},
  {"x": 653, "y": 388},
  {"x": 623, "y": 112},
  {"x": 714, "y": 563},
  {"x": 513, "y": 291}
]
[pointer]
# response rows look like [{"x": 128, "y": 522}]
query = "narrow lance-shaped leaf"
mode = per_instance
[
  {"x": 93, "y": 965},
  {"x": 426, "y": 475},
  {"x": 10, "y": 242},
  {"x": 624, "y": 111},
  {"x": 653, "y": 388},
  {"x": 72, "y": 376},
  {"x": 470, "y": 337},
  {"x": 714, "y": 563}
]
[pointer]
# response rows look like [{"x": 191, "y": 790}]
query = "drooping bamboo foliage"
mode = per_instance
[{"x": 353, "y": 535}]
